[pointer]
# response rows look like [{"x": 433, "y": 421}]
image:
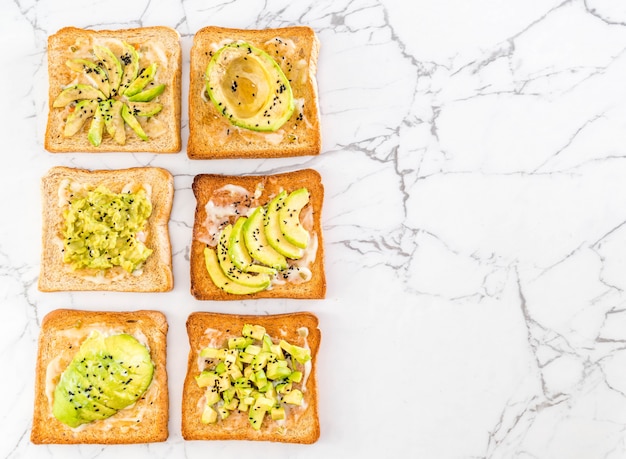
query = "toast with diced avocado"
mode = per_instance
[
  {"x": 114, "y": 90},
  {"x": 258, "y": 236},
  {"x": 106, "y": 230},
  {"x": 253, "y": 93},
  {"x": 269, "y": 391},
  {"x": 101, "y": 378}
]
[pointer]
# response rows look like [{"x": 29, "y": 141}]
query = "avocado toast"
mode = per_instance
[
  {"x": 114, "y": 90},
  {"x": 258, "y": 237},
  {"x": 106, "y": 230},
  {"x": 274, "y": 398},
  {"x": 101, "y": 378},
  {"x": 253, "y": 93}
]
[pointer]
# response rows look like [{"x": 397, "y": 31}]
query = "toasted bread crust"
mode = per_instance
[
  {"x": 304, "y": 429},
  {"x": 204, "y": 187},
  {"x": 212, "y": 136},
  {"x": 60, "y": 76},
  {"x": 62, "y": 331},
  {"x": 55, "y": 275}
]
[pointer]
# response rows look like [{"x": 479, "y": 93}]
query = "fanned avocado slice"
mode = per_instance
[
  {"x": 148, "y": 94},
  {"x": 145, "y": 76},
  {"x": 144, "y": 108},
  {"x": 289, "y": 218},
  {"x": 97, "y": 124},
  {"x": 249, "y": 88},
  {"x": 219, "y": 278},
  {"x": 112, "y": 66},
  {"x": 78, "y": 92},
  {"x": 273, "y": 232},
  {"x": 93, "y": 72},
  {"x": 84, "y": 109},
  {"x": 133, "y": 123},
  {"x": 130, "y": 58},
  {"x": 106, "y": 375},
  {"x": 256, "y": 242},
  {"x": 229, "y": 268},
  {"x": 114, "y": 122}
]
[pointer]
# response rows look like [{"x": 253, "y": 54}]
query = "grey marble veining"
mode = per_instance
[{"x": 474, "y": 221}]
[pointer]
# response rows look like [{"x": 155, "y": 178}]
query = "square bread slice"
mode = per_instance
[
  {"x": 155, "y": 275},
  {"x": 301, "y": 424},
  {"x": 71, "y": 59},
  {"x": 212, "y": 136},
  {"x": 62, "y": 332},
  {"x": 222, "y": 199}
]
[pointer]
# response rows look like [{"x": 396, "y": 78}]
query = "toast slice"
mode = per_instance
[
  {"x": 160, "y": 45},
  {"x": 154, "y": 275},
  {"x": 222, "y": 199},
  {"x": 301, "y": 424},
  {"x": 212, "y": 136},
  {"x": 62, "y": 332}
]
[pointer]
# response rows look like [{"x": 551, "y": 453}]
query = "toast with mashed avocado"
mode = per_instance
[
  {"x": 253, "y": 93},
  {"x": 114, "y": 90},
  {"x": 106, "y": 230},
  {"x": 258, "y": 237},
  {"x": 101, "y": 378},
  {"x": 252, "y": 378}
]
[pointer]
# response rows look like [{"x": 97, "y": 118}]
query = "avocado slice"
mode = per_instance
[
  {"x": 289, "y": 218},
  {"x": 256, "y": 242},
  {"x": 145, "y": 76},
  {"x": 273, "y": 232},
  {"x": 144, "y": 108},
  {"x": 78, "y": 92},
  {"x": 249, "y": 88},
  {"x": 221, "y": 281},
  {"x": 112, "y": 66},
  {"x": 229, "y": 268},
  {"x": 130, "y": 58},
  {"x": 106, "y": 375},
  {"x": 114, "y": 122},
  {"x": 84, "y": 109},
  {"x": 148, "y": 94},
  {"x": 97, "y": 124},
  {"x": 238, "y": 252},
  {"x": 133, "y": 123},
  {"x": 94, "y": 73}
]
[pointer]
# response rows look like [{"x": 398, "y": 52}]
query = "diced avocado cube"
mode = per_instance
[
  {"x": 277, "y": 413},
  {"x": 260, "y": 360},
  {"x": 257, "y": 412},
  {"x": 293, "y": 398},
  {"x": 207, "y": 379},
  {"x": 252, "y": 349},
  {"x": 243, "y": 406},
  {"x": 295, "y": 376},
  {"x": 223, "y": 383},
  {"x": 239, "y": 342},
  {"x": 232, "y": 405},
  {"x": 248, "y": 373},
  {"x": 209, "y": 415},
  {"x": 284, "y": 388},
  {"x": 277, "y": 351},
  {"x": 212, "y": 396},
  {"x": 253, "y": 331},
  {"x": 249, "y": 400},
  {"x": 260, "y": 379},
  {"x": 276, "y": 372},
  {"x": 229, "y": 394},
  {"x": 235, "y": 373},
  {"x": 224, "y": 413},
  {"x": 244, "y": 357},
  {"x": 213, "y": 353},
  {"x": 220, "y": 368},
  {"x": 267, "y": 343},
  {"x": 301, "y": 354}
]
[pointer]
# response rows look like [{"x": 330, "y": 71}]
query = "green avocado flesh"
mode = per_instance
[
  {"x": 118, "y": 91},
  {"x": 249, "y": 88},
  {"x": 254, "y": 375},
  {"x": 257, "y": 248},
  {"x": 101, "y": 230},
  {"x": 107, "y": 374}
]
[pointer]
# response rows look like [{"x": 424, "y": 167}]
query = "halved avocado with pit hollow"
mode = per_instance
[{"x": 249, "y": 88}]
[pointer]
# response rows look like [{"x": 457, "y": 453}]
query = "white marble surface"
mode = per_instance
[{"x": 475, "y": 223}]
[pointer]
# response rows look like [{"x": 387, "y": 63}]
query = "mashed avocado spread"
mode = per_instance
[{"x": 101, "y": 230}]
